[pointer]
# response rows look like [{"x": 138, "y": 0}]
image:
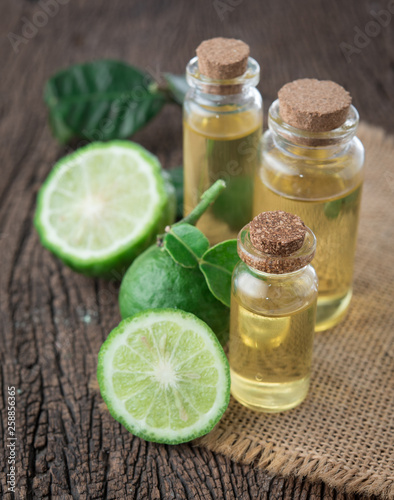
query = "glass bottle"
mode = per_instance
[
  {"x": 222, "y": 124},
  {"x": 318, "y": 176},
  {"x": 273, "y": 306}
]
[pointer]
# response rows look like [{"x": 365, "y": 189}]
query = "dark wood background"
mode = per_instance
[{"x": 53, "y": 321}]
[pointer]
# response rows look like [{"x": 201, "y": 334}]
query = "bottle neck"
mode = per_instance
[
  {"x": 275, "y": 265},
  {"x": 311, "y": 145},
  {"x": 275, "y": 277},
  {"x": 220, "y": 91}
]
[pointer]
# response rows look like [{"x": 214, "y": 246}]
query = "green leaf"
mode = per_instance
[
  {"x": 177, "y": 86},
  {"x": 332, "y": 209},
  {"x": 176, "y": 176},
  {"x": 351, "y": 199},
  {"x": 186, "y": 244},
  {"x": 217, "y": 265},
  {"x": 234, "y": 205},
  {"x": 101, "y": 100},
  {"x": 60, "y": 129},
  {"x": 236, "y": 161}
]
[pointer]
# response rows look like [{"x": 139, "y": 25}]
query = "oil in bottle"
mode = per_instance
[
  {"x": 222, "y": 130},
  {"x": 273, "y": 306},
  {"x": 312, "y": 166}
]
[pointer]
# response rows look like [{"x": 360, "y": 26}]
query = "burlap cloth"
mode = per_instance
[{"x": 343, "y": 433}]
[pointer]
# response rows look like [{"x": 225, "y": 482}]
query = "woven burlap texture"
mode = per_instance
[{"x": 343, "y": 433}]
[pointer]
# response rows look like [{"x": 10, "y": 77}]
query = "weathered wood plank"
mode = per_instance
[{"x": 53, "y": 320}]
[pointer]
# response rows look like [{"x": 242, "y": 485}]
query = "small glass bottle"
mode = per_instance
[
  {"x": 312, "y": 166},
  {"x": 273, "y": 306},
  {"x": 222, "y": 123}
]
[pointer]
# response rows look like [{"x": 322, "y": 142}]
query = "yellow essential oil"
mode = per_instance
[
  {"x": 272, "y": 326},
  {"x": 271, "y": 360},
  {"x": 322, "y": 184},
  {"x": 222, "y": 124},
  {"x": 223, "y": 145}
]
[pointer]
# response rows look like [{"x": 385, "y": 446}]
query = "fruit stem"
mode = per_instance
[{"x": 207, "y": 198}]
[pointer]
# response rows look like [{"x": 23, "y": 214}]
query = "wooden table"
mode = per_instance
[{"x": 53, "y": 320}]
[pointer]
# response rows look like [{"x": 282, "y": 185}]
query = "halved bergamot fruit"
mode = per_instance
[
  {"x": 164, "y": 376},
  {"x": 102, "y": 205}
]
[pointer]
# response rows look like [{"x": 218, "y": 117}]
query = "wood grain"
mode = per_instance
[{"x": 53, "y": 321}]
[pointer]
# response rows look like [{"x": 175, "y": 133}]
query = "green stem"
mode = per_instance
[{"x": 207, "y": 198}]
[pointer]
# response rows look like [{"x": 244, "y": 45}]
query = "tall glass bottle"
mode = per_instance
[
  {"x": 222, "y": 122},
  {"x": 273, "y": 307},
  {"x": 317, "y": 175}
]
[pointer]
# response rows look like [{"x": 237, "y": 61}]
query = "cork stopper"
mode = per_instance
[
  {"x": 314, "y": 105},
  {"x": 275, "y": 243},
  {"x": 277, "y": 233},
  {"x": 222, "y": 58}
]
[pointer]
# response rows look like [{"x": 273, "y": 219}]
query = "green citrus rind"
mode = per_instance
[
  {"x": 118, "y": 338},
  {"x": 114, "y": 263},
  {"x": 155, "y": 280}
]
